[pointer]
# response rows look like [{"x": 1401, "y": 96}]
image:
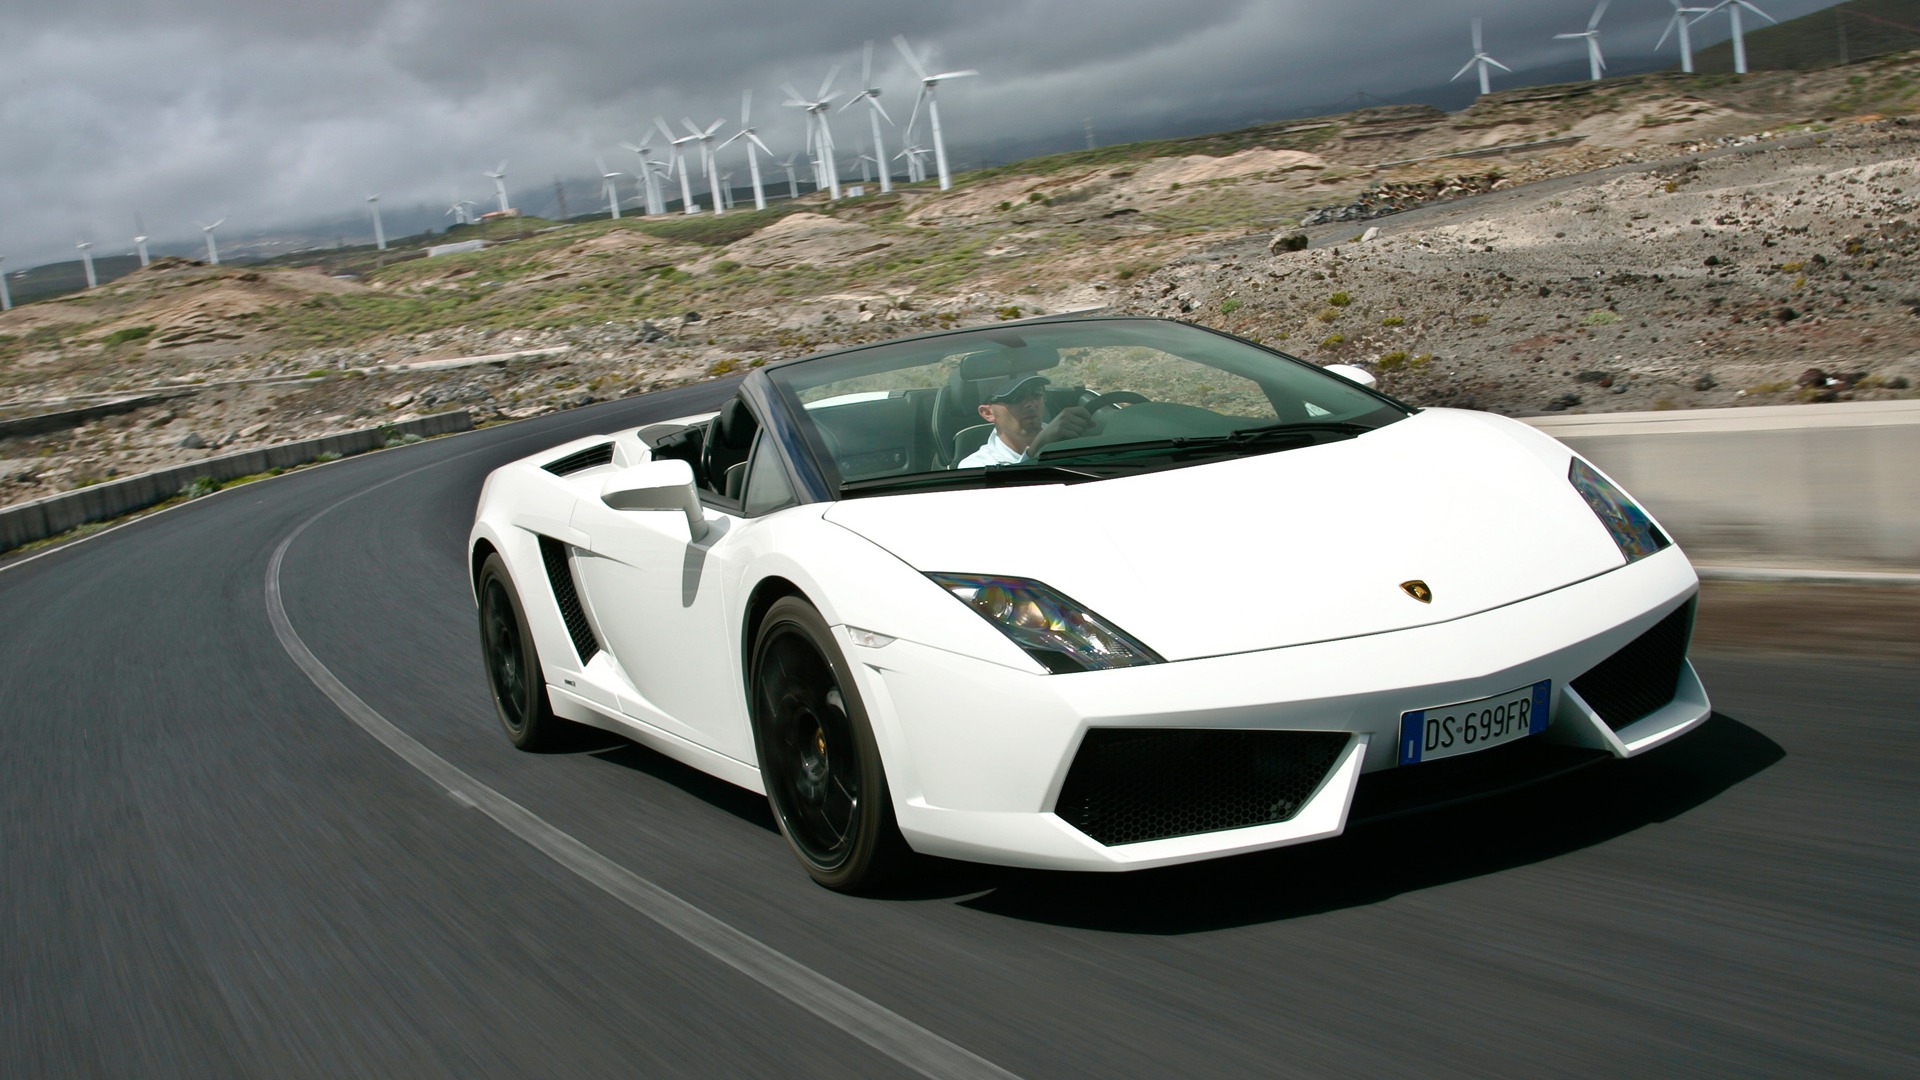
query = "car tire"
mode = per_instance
[
  {"x": 818, "y": 757},
  {"x": 514, "y": 674}
]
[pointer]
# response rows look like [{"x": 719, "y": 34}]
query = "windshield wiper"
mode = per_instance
[
  {"x": 1191, "y": 445},
  {"x": 991, "y": 476},
  {"x": 1297, "y": 427}
]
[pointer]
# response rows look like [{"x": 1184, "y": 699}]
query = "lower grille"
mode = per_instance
[
  {"x": 1643, "y": 675},
  {"x": 560, "y": 576},
  {"x": 1128, "y": 785}
]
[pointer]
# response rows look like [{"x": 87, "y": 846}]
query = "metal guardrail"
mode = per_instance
[{"x": 56, "y": 514}]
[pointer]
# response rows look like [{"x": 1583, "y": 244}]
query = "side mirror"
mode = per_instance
[
  {"x": 657, "y": 485},
  {"x": 1351, "y": 373}
]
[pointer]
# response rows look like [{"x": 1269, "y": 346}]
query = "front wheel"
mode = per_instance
[
  {"x": 513, "y": 667},
  {"x": 818, "y": 757}
]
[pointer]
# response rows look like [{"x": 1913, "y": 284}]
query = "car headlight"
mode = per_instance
[
  {"x": 1632, "y": 530},
  {"x": 1052, "y": 629}
]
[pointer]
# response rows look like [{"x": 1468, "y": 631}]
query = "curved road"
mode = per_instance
[{"x": 211, "y": 869}]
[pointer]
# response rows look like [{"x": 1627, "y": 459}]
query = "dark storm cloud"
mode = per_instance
[{"x": 275, "y": 115}]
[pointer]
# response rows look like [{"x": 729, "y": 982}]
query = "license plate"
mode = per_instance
[{"x": 1426, "y": 734}]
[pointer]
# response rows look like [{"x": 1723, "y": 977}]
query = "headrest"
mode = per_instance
[{"x": 734, "y": 427}]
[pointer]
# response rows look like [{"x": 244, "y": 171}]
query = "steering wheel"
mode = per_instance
[{"x": 1093, "y": 402}]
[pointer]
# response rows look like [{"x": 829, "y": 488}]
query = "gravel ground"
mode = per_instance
[
  {"x": 1778, "y": 273},
  {"x": 1726, "y": 272}
]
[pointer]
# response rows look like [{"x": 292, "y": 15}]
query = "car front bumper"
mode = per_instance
[{"x": 977, "y": 753}]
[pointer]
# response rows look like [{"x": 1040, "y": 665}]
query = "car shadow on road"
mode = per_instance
[
  {"x": 713, "y": 791},
  {"x": 1379, "y": 860}
]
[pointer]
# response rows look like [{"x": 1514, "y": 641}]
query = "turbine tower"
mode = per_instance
[
  {"x": 1482, "y": 61},
  {"x": 819, "y": 135},
  {"x": 379, "y": 233},
  {"x": 213, "y": 253},
  {"x": 140, "y": 245},
  {"x": 86, "y": 259},
  {"x": 714, "y": 194},
  {"x": 457, "y": 208},
  {"x": 6, "y": 298},
  {"x": 1732, "y": 8},
  {"x": 870, "y": 94},
  {"x": 753, "y": 141},
  {"x": 927, "y": 83},
  {"x": 1680, "y": 23},
  {"x": 679, "y": 163},
  {"x": 499, "y": 178},
  {"x": 610, "y": 189},
  {"x": 1595, "y": 62}
]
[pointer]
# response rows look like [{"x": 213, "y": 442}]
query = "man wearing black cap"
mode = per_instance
[{"x": 1015, "y": 405}]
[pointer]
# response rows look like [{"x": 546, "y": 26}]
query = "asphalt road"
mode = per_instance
[{"x": 210, "y": 869}]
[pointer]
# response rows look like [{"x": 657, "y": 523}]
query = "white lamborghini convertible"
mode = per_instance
[{"x": 1092, "y": 594}]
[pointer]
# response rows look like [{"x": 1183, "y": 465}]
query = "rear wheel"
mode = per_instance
[
  {"x": 513, "y": 666},
  {"x": 818, "y": 757}
]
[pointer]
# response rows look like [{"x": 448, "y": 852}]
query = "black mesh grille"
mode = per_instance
[
  {"x": 581, "y": 459},
  {"x": 560, "y": 576},
  {"x": 1133, "y": 784},
  {"x": 1483, "y": 773},
  {"x": 1643, "y": 675}
]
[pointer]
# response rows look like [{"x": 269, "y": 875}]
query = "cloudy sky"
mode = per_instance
[{"x": 286, "y": 114}]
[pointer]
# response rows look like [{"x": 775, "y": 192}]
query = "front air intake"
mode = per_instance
[
  {"x": 1128, "y": 785},
  {"x": 559, "y": 575},
  {"x": 1643, "y": 675}
]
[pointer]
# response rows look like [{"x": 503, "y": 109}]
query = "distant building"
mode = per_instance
[
  {"x": 496, "y": 215},
  {"x": 459, "y": 248}
]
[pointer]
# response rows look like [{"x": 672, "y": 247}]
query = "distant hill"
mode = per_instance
[
  {"x": 1840, "y": 34},
  {"x": 57, "y": 279}
]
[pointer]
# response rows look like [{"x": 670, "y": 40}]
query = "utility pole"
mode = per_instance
[{"x": 1840, "y": 28}]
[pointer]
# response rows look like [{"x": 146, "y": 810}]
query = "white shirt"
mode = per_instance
[{"x": 992, "y": 452}]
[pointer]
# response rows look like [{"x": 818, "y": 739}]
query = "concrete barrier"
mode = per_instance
[
  {"x": 1791, "y": 485},
  {"x": 55, "y": 514}
]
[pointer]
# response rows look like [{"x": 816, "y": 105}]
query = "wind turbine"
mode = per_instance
[
  {"x": 714, "y": 196},
  {"x": 1595, "y": 63},
  {"x": 1680, "y": 22},
  {"x": 753, "y": 140},
  {"x": 608, "y": 189},
  {"x": 649, "y": 182},
  {"x": 86, "y": 259},
  {"x": 1733, "y": 16},
  {"x": 820, "y": 136},
  {"x": 927, "y": 83},
  {"x": 870, "y": 94},
  {"x": 140, "y": 241},
  {"x": 679, "y": 163},
  {"x": 379, "y": 234},
  {"x": 793, "y": 187},
  {"x": 499, "y": 178},
  {"x": 6, "y": 298},
  {"x": 1483, "y": 61},
  {"x": 213, "y": 253},
  {"x": 457, "y": 208}
]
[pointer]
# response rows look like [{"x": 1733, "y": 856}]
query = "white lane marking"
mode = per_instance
[{"x": 879, "y": 1027}]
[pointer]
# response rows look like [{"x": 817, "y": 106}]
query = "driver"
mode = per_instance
[{"x": 1015, "y": 405}]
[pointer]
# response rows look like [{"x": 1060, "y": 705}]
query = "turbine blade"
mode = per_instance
[
  {"x": 1601, "y": 9},
  {"x": 882, "y": 109},
  {"x": 900, "y": 42},
  {"x": 1476, "y": 36},
  {"x": 826, "y": 84},
  {"x": 755, "y": 140},
  {"x": 851, "y": 102},
  {"x": 1668, "y": 32},
  {"x": 1497, "y": 64},
  {"x": 1755, "y": 10},
  {"x": 746, "y": 105},
  {"x": 916, "y": 109},
  {"x": 688, "y": 120},
  {"x": 1464, "y": 70},
  {"x": 954, "y": 75},
  {"x": 866, "y": 67}
]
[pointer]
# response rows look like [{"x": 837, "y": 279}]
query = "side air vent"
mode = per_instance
[
  {"x": 581, "y": 459},
  {"x": 1128, "y": 785},
  {"x": 1643, "y": 675},
  {"x": 560, "y": 576}
]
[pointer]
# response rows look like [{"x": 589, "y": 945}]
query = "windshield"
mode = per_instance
[{"x": 1065, "y": 401}]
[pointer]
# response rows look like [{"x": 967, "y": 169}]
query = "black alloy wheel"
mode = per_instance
[
  {"x": 513, "y": 666},
  {"x": 818, "y": 758}
]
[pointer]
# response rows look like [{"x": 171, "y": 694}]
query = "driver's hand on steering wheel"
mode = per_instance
[{"x": 1073, "y": 422}]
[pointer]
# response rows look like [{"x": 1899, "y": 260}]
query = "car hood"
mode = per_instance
[{"x": 1278, "y": 549}]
